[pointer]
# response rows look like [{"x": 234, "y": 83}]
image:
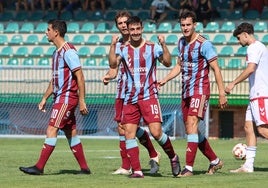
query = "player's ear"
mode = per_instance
[{"x": 195, "y": 23}]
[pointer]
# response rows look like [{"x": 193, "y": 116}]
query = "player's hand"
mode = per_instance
[
  {"x": 160, "y": 84},
  {"x": 223, "y": 101},
  {"x": 83, "y": 108},
  {"x": 229, "y": 88},
  {"x": 42, "y": 106},
  {"x": 161, "y": 39},
  {"x": 106, "y": 79},
  {"x": 115, "y": 39}
]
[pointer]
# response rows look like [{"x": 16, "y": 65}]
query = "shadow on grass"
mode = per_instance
[
  {"x": 75, "y": 172},
  {"x": 258, "y": 169},
  {"x": 146, "y": 172}
]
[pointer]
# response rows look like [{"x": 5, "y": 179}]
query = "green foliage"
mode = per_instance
[{"x": 103, "y": 158}]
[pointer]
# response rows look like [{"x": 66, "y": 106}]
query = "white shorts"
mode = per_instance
[{"x": 257, "y": 111}]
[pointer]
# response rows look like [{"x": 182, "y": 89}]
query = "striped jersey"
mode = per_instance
[
  {"x": 140, "y": 69},
  {"x": 121, "y": 78},
  {"x": 65, "y": 62},
  {"x": 195, "y": 58},
  {"x": 258, "y": 81}
]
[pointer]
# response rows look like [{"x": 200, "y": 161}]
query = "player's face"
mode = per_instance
[
  {"x": 50, "y": 33},
  {"x": 135, "y": 31},
  {"x": 122, "y": 25},
  {"x": 187, "y": 27},
  {"x": 242, "y": 39}
]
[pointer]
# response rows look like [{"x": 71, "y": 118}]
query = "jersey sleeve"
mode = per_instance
[
  {"x": 253, "y": 54},
  {"x": 117, "y": 48},
  {"x": 158, "y": 51},
  {"x": 72, "y": 59},
  {"x": 208, "y": 51}
]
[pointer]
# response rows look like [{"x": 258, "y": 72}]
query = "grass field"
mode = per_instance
[{"x": 103, "y": 158}]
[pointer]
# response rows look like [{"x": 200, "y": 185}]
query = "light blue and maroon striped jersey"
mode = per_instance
[
  {"x": 195, "y": 58},
  {"x": 65, "y": 62},
  {"x": 121, "y": 78},
  {"x": 140, "y": 69}
]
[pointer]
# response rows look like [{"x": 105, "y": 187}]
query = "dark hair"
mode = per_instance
[
  {"x": 188, "y": 14},
  {"x": 243, "y": 27},
  {"x": 134, "y": 19},
  {"x": 122, "y": 13},
  {"x": 58, "y": 25}
]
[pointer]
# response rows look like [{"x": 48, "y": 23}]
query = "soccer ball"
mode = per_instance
[{"x": 239, "y": 151}]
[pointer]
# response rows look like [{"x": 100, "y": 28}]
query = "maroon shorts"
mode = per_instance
[
  {"x": 118, "y": 109},
  {"x": 194, "y": 106},
  {"x": 62, "y": 116},
  {"x": 149, "y": 110}
]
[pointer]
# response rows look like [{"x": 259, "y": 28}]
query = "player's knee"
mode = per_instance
[
  {"x": 263, "y": 131},
  {"x": 156, "y": 134}
]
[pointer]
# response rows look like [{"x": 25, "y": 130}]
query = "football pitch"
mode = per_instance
[{"x": 103, "y": 158}]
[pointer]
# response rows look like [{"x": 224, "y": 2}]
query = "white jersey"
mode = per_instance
[
  {"x": 258, "y": 81},
  {"x": 160, "y": 5}
]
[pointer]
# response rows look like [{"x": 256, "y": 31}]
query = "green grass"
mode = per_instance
[{"x": 103, "y": 158}]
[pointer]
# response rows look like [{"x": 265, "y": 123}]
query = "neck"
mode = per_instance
[
  {"x": 192, "y": 37},
  {"x": 59, "y": 43},
  {"x": 125, "y": 38}
]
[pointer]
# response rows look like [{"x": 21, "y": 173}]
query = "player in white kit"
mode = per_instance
[{"x": 257, "y": 110}]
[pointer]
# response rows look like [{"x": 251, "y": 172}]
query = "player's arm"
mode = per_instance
[
  {"x": 165, "y": 59},
  {"x": 172, "y": 74},
  {"x": 243, "y": 76},
  {"x": 112, "y": 55},
  {"x": 47, "y": 94},
  {"x": 110, "y": 75},
  {"x": 81, "y": 87},
  {"x": 218, "y": 76}
]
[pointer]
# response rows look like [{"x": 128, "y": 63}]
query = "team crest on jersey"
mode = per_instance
[
  {"x": 145, "y": 55},
  {"x": 194, "y": 53}
]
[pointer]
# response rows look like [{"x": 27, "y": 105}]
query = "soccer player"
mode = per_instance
[
  {"x": 256, "y": 72},
  {"x": 139, "y": 58},
  {"x": 195, "y": 57},
  {"x": 68, "y": 89},
  {"x": 120, "y": 21}
]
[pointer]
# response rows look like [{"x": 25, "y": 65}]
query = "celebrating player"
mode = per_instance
[
  {"x": 195, "y": 57},
  {"x": 68, "y": 88},
  {"x": 139, "y": 59},
  {"x": 120, "y": 21},
  {"x": 256, "y": 72}
]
